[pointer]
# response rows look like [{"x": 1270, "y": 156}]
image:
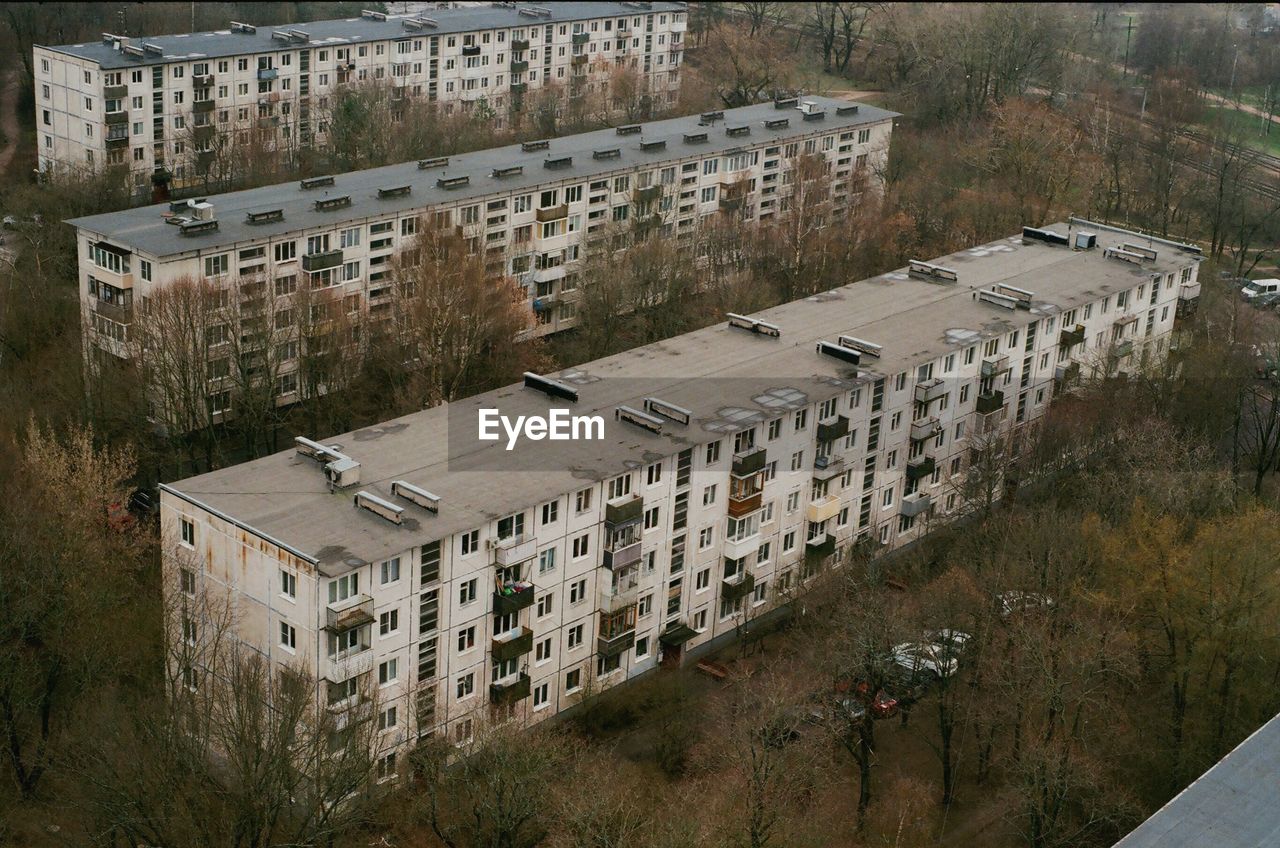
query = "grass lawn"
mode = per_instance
[{"x": 1251, "y": 127}]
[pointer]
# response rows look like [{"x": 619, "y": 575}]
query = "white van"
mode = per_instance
[{"x": 1257, "y": 288}]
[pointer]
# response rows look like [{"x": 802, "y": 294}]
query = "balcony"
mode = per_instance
[
  {"x": 509, "y": 693},
  {"x": 925, "y": 428},
  {"x": 916, "y": 503},
  {"x": 312, "y": 262},
  {"x": 578, "y": 61},
  {"x": 826, "y": 467},
  {"x": 745, "y": 501},
  {"x": 730, "y": 204},
  {"x": 552, "y": 213},
  {"x": 203, "y": 134},
  {"x": 1189, "y": 291},
  {"x": 930, "y": 390},
  {"x": 647, "y": 194},
  {"x": 1071, "y": 337},
  {"x": 115, "y": 142},
  {"x": 515, "y": 549},
  {"x": 113, "y": 311},
  {"x": 267, "y": 74},
  {"x": 676, "y": 634},
  {"x": 920, "y": 467},
  {"x": 748, "y": 462},
  {"x": 511, "y": 645},
  {"x": 519, "y": 66},
  {"x": 823, "y": 509},
  {"x": 519, "y": 45},
  {"x": 621, "y": 557},
  {"x": 347, "y": 615},
  {"x": 348, "y": 664},
  {"x": 1066, "y": 375},
  {"x": 519, "y": 88},
  {"x": 115, "y": 92},
  {"x": 623, "y": 512},
  {"x": 738, "y": 586},
  {"x": 512, "y": 598},
  {"x": 117, "y": 118},
  {"x": 820, "y": 547},
  {"x": 611, "y": 647},
  {"x": 615, "y": 600},
  {"x": 471, "y": 50},
  {"x": 580, "y": 38},
  {"x": 679, "y": 26},
  {"x": 990, "y": 402},
  {"x": 202, "y": 106},
  {"x": 990, "y": 421},
  {"x": 830, "y": 429},
  {"x": 995, "y": 365},
  {"x": 1123, "y": 348},
  {"x": 205, "y": 158},
  {"x": 202, "y": 80}
]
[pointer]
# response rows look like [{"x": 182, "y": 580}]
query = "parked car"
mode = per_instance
[
  {"x": 1255, "y": 289},
  {"x": 1266, "y": 301},
  {"x": 936, "y": 660},
  {"x": 956, "y": 640},
  {"x": 1015, "y": 601}
]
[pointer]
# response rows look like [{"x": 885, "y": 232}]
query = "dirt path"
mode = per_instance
[{"x": 9, "y": 123}]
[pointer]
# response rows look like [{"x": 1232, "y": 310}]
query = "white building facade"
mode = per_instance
[
  {"x": 742, "y": 460},
  {"x": 530, "y": 210},
  {"x": 159, "y": 105}
]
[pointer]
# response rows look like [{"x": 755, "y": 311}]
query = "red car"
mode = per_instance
[{"x": 883, "y": 705}]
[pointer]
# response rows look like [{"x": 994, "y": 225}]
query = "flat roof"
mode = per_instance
[
  {"x": 188, "y": 47},
  {"x": 718, "y": 373},
  {"x": 144, "y": 228},
  {"x": 1235, "y": 804}
]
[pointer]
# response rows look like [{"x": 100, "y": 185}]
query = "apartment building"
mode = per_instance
[
  {"x": 531, "y": 209},
  {"x": 159, "y": 104},
  {"x": 459, "y": 579}
]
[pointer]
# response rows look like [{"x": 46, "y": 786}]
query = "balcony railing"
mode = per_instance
[
  {"x": 995, "y": 365},
  {"x": 614, "y": 600},
  {"x": 921, "y": 467},
  {"x": 1124, "y": 348},
  {"x": 348, "y": 664},
  {"x": 820, "y": 547},
  {"x": 826, "y": 467},
  {"x": 202, "y": 80},
  {"x": 519, "y": 66},
  {"x": 519, "y": 87},
  {"x": 115, "y": 312},
  {"x": 738, "y": 586},
  {"x": 552, "y": 213},
  {"x": 117, "y": 118},
  {"x": 512, "y": 598},
  {"x": 1071, "y": 337},
  {"x": 621, "y": 557},
  {"x": 740, "y": 506},
  {"x": 830, "y": 429},
  {"x": 915, "y": 503},
  {"x": 321, "y": 261},
  {"x": 748, "y": 462},
  {"x": 990, "y": 402},
  {"x": 580, "y": 38},
  {"x": 612, "y": 646},
  {"x": 578, "y": 61},
  {"x": 201, "y": 106},
  {"x": 510, "y": 692},
  {"x": 115, "y": 92},
  {"x": 267, "y": 73},
  {"x": 349, "y": 614},
  {"x": 823, "y": 509},
  {"x": 930, "y": 390},
  {"x": 515, "y": 549},
  {"x": 509, "y": 646},
  {"x": 648, "y": 194},
  {"x": 925, "y": 428},
  {"x": 623, "y": 512},
  {"x": 519, "y": 45}
]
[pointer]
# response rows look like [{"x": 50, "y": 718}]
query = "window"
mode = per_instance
[
  {"x": 466, "y": 639},
  {"x": 545, "y": 605},
  {"x": 547, "y": 561},
  {"x": 344, "y": 587},
  {"x": 288, "y": 584},
  {"x": 391, "y": 571},
  {"x": 581, "y": 546},
  {"x": 575, "y": 636},
  {"x": 540, "y": 696},
  {"x": 466, "y": 685},
  {"x": 583, "y": 500},
  {"x": 288, "y": 636},
  {"x": 187, "y": 581},
  {"x": 577, "y": 591},
  {"x": 619, "y": 486},
  {"x": 188, "y": 532},
  {"x": 709, "y": 495},
  {"x": 387, "y": 718},
  {"x": 713, "y": 453},
  {"x": 573, "y": 680},
  {"x": 542, "y": 651},
  {"x": 706, "y": 538},
  {"x": 797, "y": 460},
  {"x": 215, "y": 266},
  {"x": 470, "y": 542},
  {"x": 388, "y": 622},
  {"x": 550, "y": 511},
  {"x": 653, "y": 474},
  {"x": 467, "y": 592},
  {"x": 388, "y": 671}
]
